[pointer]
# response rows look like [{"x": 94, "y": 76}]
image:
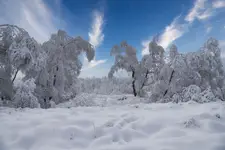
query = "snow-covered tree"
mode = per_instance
[
  {"x": 208, "y": 65},
  {"x": 216, "y": 72},
  {"x": 15, "y": 56},
  {"x": 54, "y": 65},
  {"x": 62, "y": 68},
  {"x": 202, "y": 69},
  {"x": 173, "y": 52},
  {"x": 162, "y": 84},
  {"x": 125, "y": 58}
]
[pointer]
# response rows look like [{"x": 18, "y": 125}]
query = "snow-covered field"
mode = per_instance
[{"x": 186, "y": 126}]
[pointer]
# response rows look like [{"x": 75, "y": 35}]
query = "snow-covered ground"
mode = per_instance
[{"x": 186, "y": 126}]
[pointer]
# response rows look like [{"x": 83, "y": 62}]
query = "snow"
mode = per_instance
[
  {"x": 184, "y": 126},
  {"x": 89, "y": 100}
]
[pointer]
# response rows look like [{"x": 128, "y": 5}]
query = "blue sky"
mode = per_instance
[{"x": 187, "y": 23}]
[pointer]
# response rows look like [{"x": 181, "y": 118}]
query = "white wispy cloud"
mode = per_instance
[
  {"x": 218, "y": 3},
  {"x": 201, "y": 11},
  {"x": 172, "y": 32},
  {"x": 32, "y": 15},
  {"x": 96, "y": 37},
  {"x": 208, "y": 29},
  {"x": 92, "y": 64},
  {"x": 204, "y": 9}
]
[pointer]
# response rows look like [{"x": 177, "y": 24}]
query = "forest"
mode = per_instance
[{"x": 51, "y": 71}]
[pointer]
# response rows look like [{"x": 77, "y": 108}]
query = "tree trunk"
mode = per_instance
[
  {"x": 15, "y": 75},
  {"x": 133, "y": 84},
  {"x": 169, "y": 82},
  {"x": 146, "y": 77}
]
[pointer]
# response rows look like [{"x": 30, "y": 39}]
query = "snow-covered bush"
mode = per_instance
[
  {"x": 24, "y": 96},
  {"x": 81, "y": 100},
  {"x": 191, "y": 123},
  {"x": 207, "y": 96},
  {"x": 193, "y": 93},
  {"x": 177, "y": 98},
  {"x": 190, "y": 92},
  {"x": 165, "y": 100}
]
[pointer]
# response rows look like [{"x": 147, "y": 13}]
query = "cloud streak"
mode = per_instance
[
  {"x": 172, "y": 32},
  {"x": 96, "y": 35},
  {"x": 34, "y": 16},
  {"x": 92, "y": 64},
  {"x": 96, "y": 38},
  {"x": 201, "y": 11},
  {"x": 198, "y": 11},
  {"x": 218, "y": 4},
  {"x": 204, "y": 9},
  {"x": 208, "y": 29}
]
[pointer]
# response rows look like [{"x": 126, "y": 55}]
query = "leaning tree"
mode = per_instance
[
  {"x": 56, "y": 81},
  {"x": 15, "y": 56},
  {"x": 125, "y": 58}
]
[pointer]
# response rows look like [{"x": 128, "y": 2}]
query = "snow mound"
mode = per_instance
[{"x": 184, "y": 126}]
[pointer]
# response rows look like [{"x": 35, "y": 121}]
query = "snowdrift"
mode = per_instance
[{"x": 184, "y": 126}]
